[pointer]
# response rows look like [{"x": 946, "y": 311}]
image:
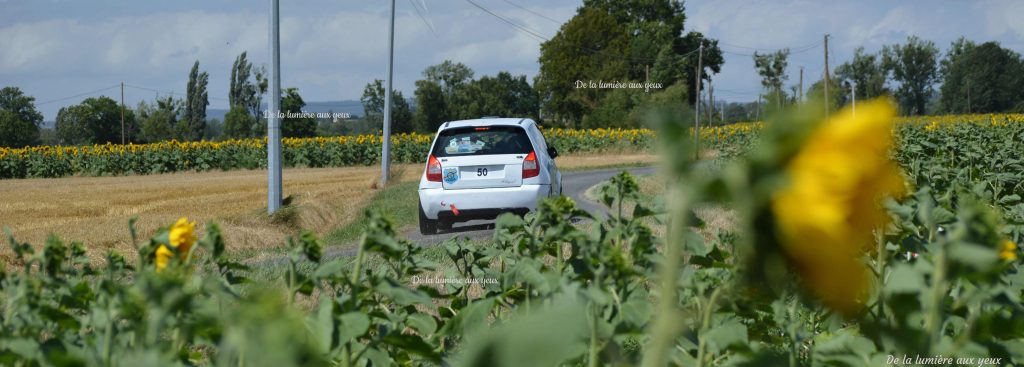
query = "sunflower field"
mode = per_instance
[
  {"x": 336, "y": 151},
  {"x": 861, "y": 240}
]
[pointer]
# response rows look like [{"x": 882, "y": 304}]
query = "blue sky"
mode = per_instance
[{"x": 331, "y": 48}]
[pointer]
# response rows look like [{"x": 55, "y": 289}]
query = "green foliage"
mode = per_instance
[
  {"x": 158, "y": 120},
  {"x": 373, "y": 104},
  {"x": 295, "y": 125},
  {"x": 19, "y": 120},
  {"x": 588, "y": 47},
  {"x": 981, "y": 78},
  {"x": 449, "y": 93},
  {"x": 431, "y": 109},
  {"x": 620, "y": 41},
  {"x": 95, "y": 121},
  {"x": 193, "y": 121},
  {"x": 772, "y": 69},
  {"x": 867, "y": 71},
  {"x": 914, "y": 66},
  {"x": 238, "y": 123},
  {"x": 248, "y": 85}
]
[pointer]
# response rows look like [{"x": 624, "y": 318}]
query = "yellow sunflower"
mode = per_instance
[{"x": 828, "y": 211}]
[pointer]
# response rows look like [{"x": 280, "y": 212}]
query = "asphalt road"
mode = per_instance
[{"x": 574, "y": 185}]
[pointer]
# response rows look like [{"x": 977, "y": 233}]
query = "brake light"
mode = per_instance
[
  {"x": 530, "y": 166},
  {"x": 433, "y": 169}
]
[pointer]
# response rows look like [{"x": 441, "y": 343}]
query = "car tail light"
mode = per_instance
[
  {"x": 433, "y": 169},
  {"x": 530, "y": 166}
]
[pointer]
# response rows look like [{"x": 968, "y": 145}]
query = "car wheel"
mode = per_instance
[{"x": 427, "y": 225}]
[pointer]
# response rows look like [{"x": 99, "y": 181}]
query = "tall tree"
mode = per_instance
[
  {"x": 248, "y": 85},
  {"x": 193, "y": 123},
  {"x": 867, "y": 71},
  {"x": 592, "y": 46},
  {"x": 296, "y": 126},
  {"x": 94, "y": 121},
  {"x": 914, "y": 66},
  {"x": 19, "y": 120},
  {"x": 772, "y": 68},
  {"x": 980, "y": 78}
]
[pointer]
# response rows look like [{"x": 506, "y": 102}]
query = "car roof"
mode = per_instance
[{"x": 488, "y": 121}]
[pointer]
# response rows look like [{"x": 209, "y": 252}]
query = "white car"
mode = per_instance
[{"x": 478, "y": 169}]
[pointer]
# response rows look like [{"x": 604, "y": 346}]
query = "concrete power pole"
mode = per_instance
[
  {"x": 273, "y": 121},
  {"x": 801, "y": 85},
  {"x": 826, "y": 77},
  {"x": 696, "y": 104},
  {"x": 122, "y": 113},
  {"x": 385, "y": 154}
]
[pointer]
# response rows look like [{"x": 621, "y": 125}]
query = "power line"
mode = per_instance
[
  {"x": 424, "y": 19},
  {"x": 528, "y": 31},
  {"x": 79, "y": 95},
  {"x": 533, "y": 12}
]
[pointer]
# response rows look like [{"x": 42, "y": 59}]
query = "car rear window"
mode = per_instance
[{"x": 482, "y": 140}]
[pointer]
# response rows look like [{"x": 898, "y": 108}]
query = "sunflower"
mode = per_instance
[{"x": 827, "y": 213}]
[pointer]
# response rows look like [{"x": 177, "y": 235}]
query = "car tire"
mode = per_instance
[{"x": 427, "y": 226}]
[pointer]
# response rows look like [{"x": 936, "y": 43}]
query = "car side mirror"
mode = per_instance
[{"x": 552, "y": 152}]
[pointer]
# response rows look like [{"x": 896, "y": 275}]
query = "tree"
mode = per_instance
[
  {"x": 613, "y": 40},
  {"x": 980, "y": 78},
  {"x": 772, "y": 68},
  {"x": 914, "y": 66},
  {"x": 193, "y": 123},
  {"x": 448, "y": 75},
  {"x": 248, "y": 85},
  {"x": 867, "y": 71},
  {"x": 238, "y": 123},
  {"x": 589, "y": 47},
  {"x": 501, "y": 95},
  {"x": 19, "y": 120},
  {"x": 431, "y": 110},
  {"x": 373, "y": 106},
  {"x": 94, "y": 121},
  {"x": 295, "y": 126},
  {"x": 157, "y": 121}
]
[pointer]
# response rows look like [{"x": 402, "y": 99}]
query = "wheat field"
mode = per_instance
[{"x": 96, "y": 210}]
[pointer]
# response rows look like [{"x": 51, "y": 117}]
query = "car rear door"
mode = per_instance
[{"x": 481, "y": 156}]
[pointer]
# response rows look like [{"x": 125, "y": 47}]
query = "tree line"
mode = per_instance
[
  {"x": 969, "y": 78},
  {"x": 606, "y": 41}
]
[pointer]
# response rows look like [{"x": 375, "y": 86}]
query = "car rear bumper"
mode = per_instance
[{"x": 480, "y": 203}]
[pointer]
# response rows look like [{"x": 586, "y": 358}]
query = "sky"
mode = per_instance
[{"x": 62, "y": 51}]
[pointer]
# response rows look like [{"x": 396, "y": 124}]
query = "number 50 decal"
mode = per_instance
[{"x": 481, "y": 172}]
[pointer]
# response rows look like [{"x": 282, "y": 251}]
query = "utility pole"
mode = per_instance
[
  {"x": 385, "y": 156},
  {"x": 801, "y": 85},
  {"x": 711, "y": 102},
  {"x": 826, "y": 77},
  {"x": 853, "y": 96},
  {"x": 758, "y": 110},
  {"x": 696, "y": 112},
  {"x": 273, "y": 121},
  {"x": 122, "y": 113}
]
